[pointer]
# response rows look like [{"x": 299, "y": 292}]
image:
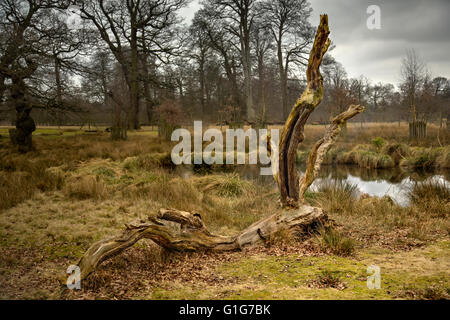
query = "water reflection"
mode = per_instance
[{"x": 374, "y": 182}]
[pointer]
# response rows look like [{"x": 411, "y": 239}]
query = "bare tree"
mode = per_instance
[
  {"x": 130, "y": 26},
  {"x": 413, "y": 72},
  {"x": 199, "y": 50},
  {"x": 222, "y": 42},
  {"x": 289, "y": 26},
  {"x": 237, "y": 18},
  {"x": 262, "y": 45},
  {"x": 27, "y": 27}
]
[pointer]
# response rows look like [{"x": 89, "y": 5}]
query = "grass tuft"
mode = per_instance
[
  {"x": 332, "y": 240},
  {"x": 327, "y": 279},
  {"x": 431, "y": 197},
  {"x": 85, "y": 187}
]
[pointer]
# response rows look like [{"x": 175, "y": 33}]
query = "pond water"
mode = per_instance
[{"x": 394, "y": 183}]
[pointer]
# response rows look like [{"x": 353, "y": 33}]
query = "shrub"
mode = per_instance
[
  {"x": 302, "y": 157},
  {"x": 170, "y": 119},
  {"x": 443, "y": 160},
  {"x": 333, "y": 155}
]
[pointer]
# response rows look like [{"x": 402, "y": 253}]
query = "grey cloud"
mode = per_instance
[
  {"x": 423, "y": 25},
  {"x": 406, "y": 24}
]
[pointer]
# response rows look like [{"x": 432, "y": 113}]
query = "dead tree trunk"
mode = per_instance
[
  {"x": 292, "y": 135},
  {"x": 183, "y": 231}
]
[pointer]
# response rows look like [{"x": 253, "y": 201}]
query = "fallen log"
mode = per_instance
[{"x": 177, "y": 230}]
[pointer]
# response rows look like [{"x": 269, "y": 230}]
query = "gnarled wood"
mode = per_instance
[
  {"x": 183, "y": 231},
  {"x": 322, "y": 146},
  {"x": 292, "y": 135}
]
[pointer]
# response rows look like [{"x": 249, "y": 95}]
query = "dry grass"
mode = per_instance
[
  {"x": 432, "y": 198},
  {"x": 75, "y": 190},
  {"x": 381, "y": 221},
  {"x": 21, "y": 176},
  {"x": 331, "y": 240}
]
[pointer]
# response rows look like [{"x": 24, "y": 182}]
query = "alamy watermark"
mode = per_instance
[
  {"x": 74, "y": 279},
  {"x": 374, "y": 19},
  {"x": 235, "y": 147},
  {"x": 73, "y": 18},
  {"x": 374, "y": 280}
]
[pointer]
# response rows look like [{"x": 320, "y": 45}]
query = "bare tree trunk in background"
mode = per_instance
[
  {"x": 245, "y": 20},
  {"x": 25, "y": 126},
  {"x": 134, "y": 78},
  {"x": 2, "y": 87},
  {"x": 202, "y": 84},
  {"x": 283, "y": 78},
  {"x": 262, "y": 93},
  {"x": 149, "y": 101},
  {"x": 58, "y": 82}
]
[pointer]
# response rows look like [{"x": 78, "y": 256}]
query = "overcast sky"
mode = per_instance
[{"x": 423, "y": 25}]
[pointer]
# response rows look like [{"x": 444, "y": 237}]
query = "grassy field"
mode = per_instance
[{"x": 78, "y": 187}]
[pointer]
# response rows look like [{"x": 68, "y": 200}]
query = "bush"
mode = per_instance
[
  {"x": 443, "y": 160},
  {"x": 364, "y": 156},
  {"x": 171, "y": 115},
  {"x": 422, "y": 158}
]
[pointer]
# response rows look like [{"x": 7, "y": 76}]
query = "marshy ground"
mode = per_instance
[{"x": 78, "y": 188}]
